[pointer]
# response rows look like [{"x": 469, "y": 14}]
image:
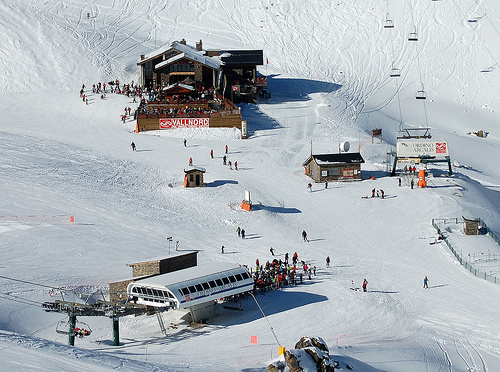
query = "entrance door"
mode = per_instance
[{"x": 197, "y": 180}]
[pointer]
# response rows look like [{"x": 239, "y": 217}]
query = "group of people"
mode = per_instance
[
  {"x": 277, "y": 273},
  {"x": 100, "y": 88},
  {"x": 173, "y": 112},
  {"x": 378, "y": 193},
  {"x": 409, "y": 169},
  {"x": 80, "y": 332},
  {"x": 240, "y": 232}
]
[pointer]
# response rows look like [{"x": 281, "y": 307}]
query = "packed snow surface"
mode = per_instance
[{"x": 328, "y": 65}]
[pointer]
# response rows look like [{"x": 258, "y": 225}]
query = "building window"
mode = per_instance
[
  {"x": 334, "y": 172},
  {"x": 348, "y": 173}
]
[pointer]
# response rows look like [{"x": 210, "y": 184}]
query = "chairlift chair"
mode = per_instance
[
  {"x": 388, "y": 23},
  {"x": 413, "y": 35},
  {"x": 421, "y": 94},
  {"x": 81, "y": 329},
  {"x": 395, "y": 72}
]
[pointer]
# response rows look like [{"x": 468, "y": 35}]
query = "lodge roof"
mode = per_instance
[
  {"x": 242, "y": 57},
  {"x": 191, "y": 53},
  {"x": 194, "y": 169},
  {"x": 341, "y": 158},
  {"x": 227, "y": 57}
]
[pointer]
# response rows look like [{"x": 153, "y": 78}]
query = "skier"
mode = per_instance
[
  {"x": 224, "y": 160},
  {"x": 314, "y": 270},
  {"x": 326, "y": 184},
  {"x": 425, "y": 282},
  {"x": 222, "y": 249},
  {"x": 373, "y": 193},
  {"x": 230, "y": 165},
  {"x": 242, "y": 233},
  {"x": 309, "y": 187},
  {"x": 286, "y": 258},
  {"x": 412, "y": 184},
  {"x": 238, "y": 230},
  {"x": 365, "y": 282},
  {"x": 226, "y": 149},
  {"x": 177, "y": 245},
  {"x": 185, "y": 142},
  {"x": 133, "y": 146},
  {"x": 327, "y": 261},
  {"x": 235, "y": 165},
  {"x": 212, "y": 153},
  {"x": 399, "y": 182},
  {"x": 304, "y": 235},
  {"x": 271, "y": 250},
  {"x": 382, "y": 193},
  {"x": 191, "y": 161}
]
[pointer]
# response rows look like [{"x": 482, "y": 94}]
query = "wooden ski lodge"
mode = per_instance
[
  {"x": 192, "y": 87},
  {"x": 343, "y": 166}
]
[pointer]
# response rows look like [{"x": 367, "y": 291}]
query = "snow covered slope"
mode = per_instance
[{"x": 329, "y": 65}]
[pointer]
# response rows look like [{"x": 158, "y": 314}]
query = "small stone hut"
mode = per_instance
[
  {"x": 146, "y": 269},
  {"x": 342, "y": 166},
  {"x": 471, "y": 226},
  {"x": 193, "y": 177}
]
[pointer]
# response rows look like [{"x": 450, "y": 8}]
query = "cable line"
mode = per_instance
[{"x": 20, "y": 299}]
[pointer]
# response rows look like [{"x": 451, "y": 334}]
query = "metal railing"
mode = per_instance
[{"x": 464, "y": 261}]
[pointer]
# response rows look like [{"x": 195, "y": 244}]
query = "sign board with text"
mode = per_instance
[
  {"x": 170, "y": 123},
  {"x": 422, "y": 148}
]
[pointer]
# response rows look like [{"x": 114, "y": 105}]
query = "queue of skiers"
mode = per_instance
[{"x": 276, "y": 274}]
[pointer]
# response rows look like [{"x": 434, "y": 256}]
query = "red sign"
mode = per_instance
[
  {"x": 184, "y": 123},
  {"x": 440, "y": 147}
]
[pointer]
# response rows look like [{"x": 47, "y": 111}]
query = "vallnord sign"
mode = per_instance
[{"x": 184, "y": 123}]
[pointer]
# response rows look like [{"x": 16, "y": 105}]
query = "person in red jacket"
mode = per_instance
[{"x": 365, "y": 282}]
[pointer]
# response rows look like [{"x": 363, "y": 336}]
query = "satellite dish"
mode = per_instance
[{"x": 344, "y": 146}]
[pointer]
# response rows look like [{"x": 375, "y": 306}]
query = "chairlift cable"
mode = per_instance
[
  {"x": 37, "y": 284},
  {"x": 393, "y": 66},
  {"x": 20, "y": 299},
  {"x": 265, "y": 317},
  {"x": 419, "y": 69}
]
